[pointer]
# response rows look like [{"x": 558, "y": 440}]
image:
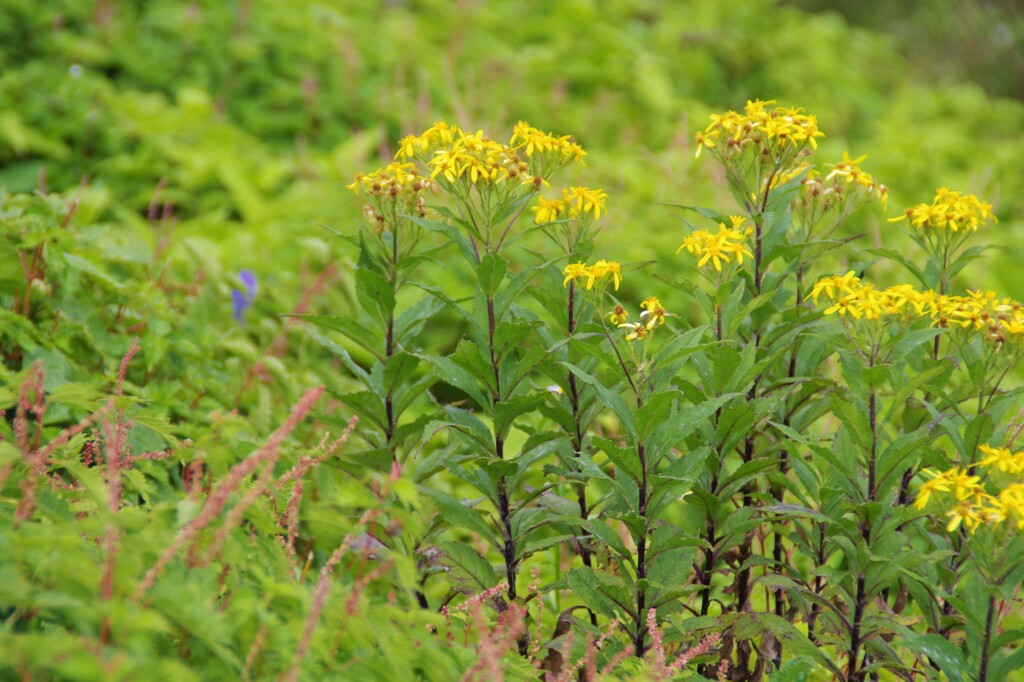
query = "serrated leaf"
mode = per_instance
[
  {"x": 468, "y": 572},
  {"x": 460, "y": 514}
]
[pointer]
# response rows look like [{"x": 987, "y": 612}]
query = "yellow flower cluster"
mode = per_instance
[
  {"x": 759, "y": 126},
  {"x": 949, "y": 210},
  {"x": 843, "y": 185},
  {"x": 1002, "y": 459},
  {"x": 452, "y": 154},
  {"x": 651, "y": 309},
  {"x": 719, "y": 247},
  {"x": 848, "y": 295},
  {"x": 391, "y": 180},
  {"x": 575, "y": 203},
  {"x": 596, "y": 273},
  {"x": 969, "y": 501},
  {"x": 999, "y": 320},
  {"x": 392, "y": 192},
  {"x": 531, "y": 140}
]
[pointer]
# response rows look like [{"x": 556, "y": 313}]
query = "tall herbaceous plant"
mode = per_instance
[{"x": 759, "y": 461}]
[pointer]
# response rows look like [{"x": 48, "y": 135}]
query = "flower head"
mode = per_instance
[
  {"x": 581, "y": 200},
  {"x": 574, "y": 272},
  {"x": 637, "y": 331},
  {"x": 949, "y": 211},
  {"x": 719, "y": 248},
  {"x": 241, "y": 300},
  {"x": 655, "y": 317},
  {"x": 618, "y": 315},
  {"x": 547, "y": 210},
  {"x": 760, "y": 126}
]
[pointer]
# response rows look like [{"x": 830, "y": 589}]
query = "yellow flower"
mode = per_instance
[
  {"x": 356, "y": 183},
  {"x": 938, "y": 483},
  {"x": 949, "y": 211},
  {"x": 618, "y": 315},
  {"x": 1011, "y": 501},
  {"x": 761, "y": 127},
  {"x": 721, "y": 247},
  {"x": 847, "y": 305},
  {"x": 650, "y": 303},
  {"x": 586, "y": 200},
  {"x": 574, "y": 272},
  {"x": 596, "y": 273},
  {"x": 547, "y": 210},
  {"x": 637, "y": 331},
  {"x": 449, "y": 163},
  {"x": 848, "y": 167},
  {"x": 408, "y": 146},
  {"x": 656, "y": 315},
  {"x": 830, "y": 286},
  {"x": 1002, "y": 459},
  {"x": 967, "y": 513},
  {"x": 558, "y": 150},
  {"x": 615, "y": 270},
  {"x": 705, "y": 140}
]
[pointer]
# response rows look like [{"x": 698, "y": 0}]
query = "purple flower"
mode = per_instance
[
  {"x": 240, "y": 301},
  {"x": 248, "y": 278}
]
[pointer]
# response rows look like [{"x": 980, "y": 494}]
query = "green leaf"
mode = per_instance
[
  {"x": 411, "y": 321},
  {"x": 467, "y": 423},
  {"x": 941, "y": 652},
  {"x": 451, "y": 232},
  {"x": 610, "y": 539},
  {"x": 456, "y": 375},
  {"x": 367, "y": 338},
  {"x": 893, "y": 255},
  {"x": 507, "y": 411},
  {"x": 701, "y": 210},
  {"x": 608, "y": 397},
  {"x": 342, "y": 355},
  {"x": 491, "y": 272},
  {"x": 585, "y": 583},
  {"x": 366, "y": 404},
  {"x": 468, "y": 572},
  {"x": 793, "y": 641},
  {"x": 375, "y": 293},
  {"x": 1002, "y": 663},
  {"x": 94, "y": 271},
  {"x": 399, "y": 368},
  {"x": 460, "y": 514},
  {"x": 654, "y": 412}
]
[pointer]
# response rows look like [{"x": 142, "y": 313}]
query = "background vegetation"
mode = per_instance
[{"x": 152, "y": 151}]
